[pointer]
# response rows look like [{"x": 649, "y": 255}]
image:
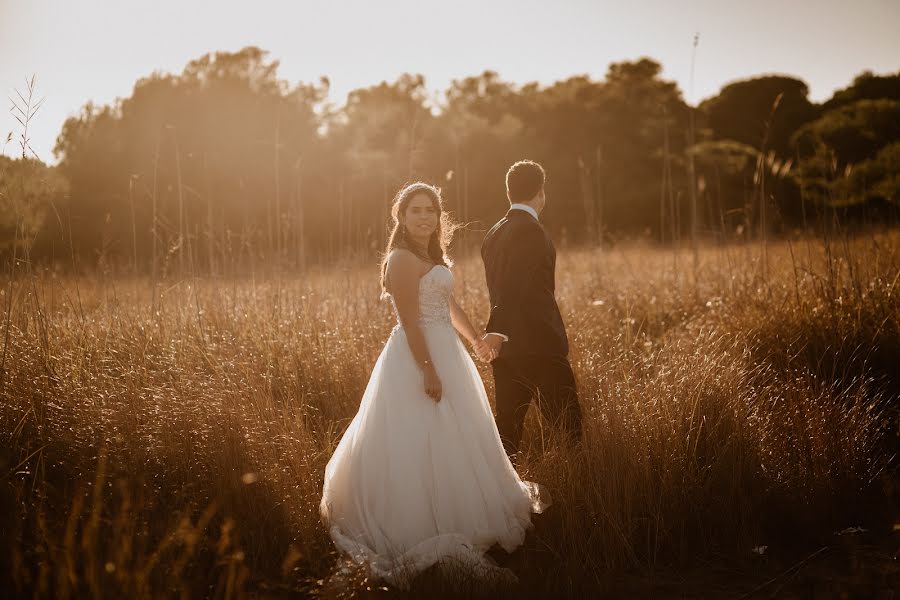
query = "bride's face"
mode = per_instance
[{"x": 421, "y": 217}]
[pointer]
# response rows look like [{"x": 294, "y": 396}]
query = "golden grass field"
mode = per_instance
[{"x": 170, "y": 439}]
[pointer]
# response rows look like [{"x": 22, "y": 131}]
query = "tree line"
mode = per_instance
[{"x": 225, "y": 164}]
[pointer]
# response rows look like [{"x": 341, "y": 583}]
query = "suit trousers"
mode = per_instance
[{"x": 549, "y": 381}]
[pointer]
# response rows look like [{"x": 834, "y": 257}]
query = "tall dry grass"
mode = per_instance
[{"x": 171, "y": 439}]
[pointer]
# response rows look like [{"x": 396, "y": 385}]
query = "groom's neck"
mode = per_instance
[{"x": 531, "y": 205}]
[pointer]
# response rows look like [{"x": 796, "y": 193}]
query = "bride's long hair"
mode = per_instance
[{"x": 436, "y": 252}]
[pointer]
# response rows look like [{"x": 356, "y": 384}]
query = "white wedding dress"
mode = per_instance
[{"x": 414, "y": 482}]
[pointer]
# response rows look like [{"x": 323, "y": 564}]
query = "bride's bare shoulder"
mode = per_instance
[
  {"x": 401, "y": 263},
  {"x": 400, "y": 253},
  {"x": 401, "y": 258}
]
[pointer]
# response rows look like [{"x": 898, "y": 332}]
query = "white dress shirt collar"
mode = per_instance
[{"x": 530, "y": 210}]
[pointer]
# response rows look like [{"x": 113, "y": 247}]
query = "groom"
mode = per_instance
[{"x": 525, "y": 331}]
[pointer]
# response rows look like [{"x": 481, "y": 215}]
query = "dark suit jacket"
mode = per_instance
[{"x": 520, "y": 264}]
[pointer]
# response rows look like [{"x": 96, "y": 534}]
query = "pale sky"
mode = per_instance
[{"x": 83, "y": 50}]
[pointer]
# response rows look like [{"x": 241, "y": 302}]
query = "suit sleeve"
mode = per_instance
[{"x": 527, "y": 247}]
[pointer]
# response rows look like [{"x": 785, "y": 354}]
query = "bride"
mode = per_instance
[{"x": 420, "y": 476}]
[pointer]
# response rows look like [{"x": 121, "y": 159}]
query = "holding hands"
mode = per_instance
[{"x": 487, "y": 347}]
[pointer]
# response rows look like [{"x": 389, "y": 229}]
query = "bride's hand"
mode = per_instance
[
  {"x": 483, "y": 350},
  {"x": 492, "y": 344},
  {"x": 432, "y": 384}
]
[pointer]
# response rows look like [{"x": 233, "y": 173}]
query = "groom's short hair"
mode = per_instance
[{"x": 523, "y": 181}]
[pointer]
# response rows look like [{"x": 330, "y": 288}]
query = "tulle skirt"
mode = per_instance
[{"x": 414, "y": 482}]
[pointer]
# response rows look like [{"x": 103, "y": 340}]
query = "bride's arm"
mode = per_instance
[
  {"x": 461, "y": 321},
  {"x": 403, "y": 273},
  {"x": 463, "y": 325}
]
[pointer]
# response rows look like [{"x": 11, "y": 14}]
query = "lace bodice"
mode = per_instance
[{"x": 435, "y": 288}]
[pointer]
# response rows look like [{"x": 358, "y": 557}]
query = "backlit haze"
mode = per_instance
[{"x": 88, "y": 50}]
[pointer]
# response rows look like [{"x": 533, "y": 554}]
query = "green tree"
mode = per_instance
[
  {"x": 866, "y": 86},
  {"x": 32, "y": 195},
  {"x": 855, "y": 131},
  {"x": 746, "y": 111},
  {"x": 193, "y": 166}
]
